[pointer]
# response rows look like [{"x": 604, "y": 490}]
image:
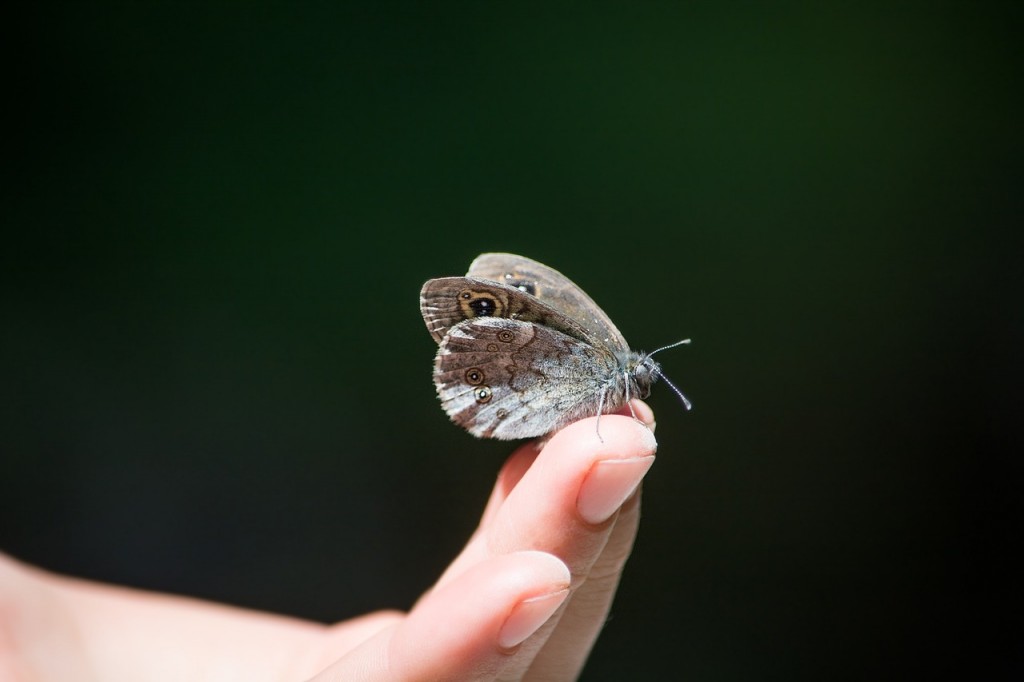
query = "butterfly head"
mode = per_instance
[
  {"x": 643, "y": 372},
  {"x": 647, "y": 371}
]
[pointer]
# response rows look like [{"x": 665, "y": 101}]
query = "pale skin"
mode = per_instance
[{"x": 524, "y": 600}]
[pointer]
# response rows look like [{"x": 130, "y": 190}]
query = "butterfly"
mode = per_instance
[{"x": 522, "y": 351}]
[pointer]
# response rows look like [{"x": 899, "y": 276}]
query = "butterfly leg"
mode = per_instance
[
  {"x": 600, "y": 409},
  {"x": 629, "y": 400}
]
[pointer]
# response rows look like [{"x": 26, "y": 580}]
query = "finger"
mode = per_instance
[
  {"x": 639, "y": 409},
  {"x": 343, "y": 637},
  {"x": 512, "y": 472},
  {"x": 587, "y": 611},
  {"x": 565, "y": 503},
  {"x": 585, "y": 614},
  {"x": 466, "y": 630},
  {"x": 521, "y": 460}
]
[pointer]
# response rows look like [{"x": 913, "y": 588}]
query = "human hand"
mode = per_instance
[{"x": 524, "y": 600}]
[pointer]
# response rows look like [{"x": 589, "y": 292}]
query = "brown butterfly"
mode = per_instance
[{"x": 523, "y": 351}]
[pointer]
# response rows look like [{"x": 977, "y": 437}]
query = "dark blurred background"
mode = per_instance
[{"x": 215, "y": 380}]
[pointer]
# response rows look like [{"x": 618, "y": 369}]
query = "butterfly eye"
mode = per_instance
[
  {"x": 474, "y": 377},
  {"x": 483, "y": 394}
]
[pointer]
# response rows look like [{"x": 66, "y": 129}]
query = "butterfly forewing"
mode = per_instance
[{"x": 447, "y": 301}]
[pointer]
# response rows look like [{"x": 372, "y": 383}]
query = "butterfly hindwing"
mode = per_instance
[{"x": 502, "y": 378}]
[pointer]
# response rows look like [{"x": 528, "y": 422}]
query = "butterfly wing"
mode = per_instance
[
  {"x": 552, "y": 288},
  {"x": 447, "y": 301},
  {"x": 507, "y": 379}
]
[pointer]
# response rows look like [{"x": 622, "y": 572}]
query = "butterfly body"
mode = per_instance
[{"x": 523, "y": 351}]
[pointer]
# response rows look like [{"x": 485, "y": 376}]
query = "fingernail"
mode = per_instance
[
  {"x": 609, "y": 483},
  {"x": 527, "y": 617}
]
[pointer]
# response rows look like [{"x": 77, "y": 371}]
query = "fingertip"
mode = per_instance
[
  {"x": 611, "y": 434},
  {"x": 642, "y": 411}
]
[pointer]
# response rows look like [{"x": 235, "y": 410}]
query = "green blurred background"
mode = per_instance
[{"x": 215, "y": 379}]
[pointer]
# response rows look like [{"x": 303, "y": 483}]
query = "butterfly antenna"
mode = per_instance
[
  {"x": 686, "y": 401},
  {"x": 671, "y": 345}
]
